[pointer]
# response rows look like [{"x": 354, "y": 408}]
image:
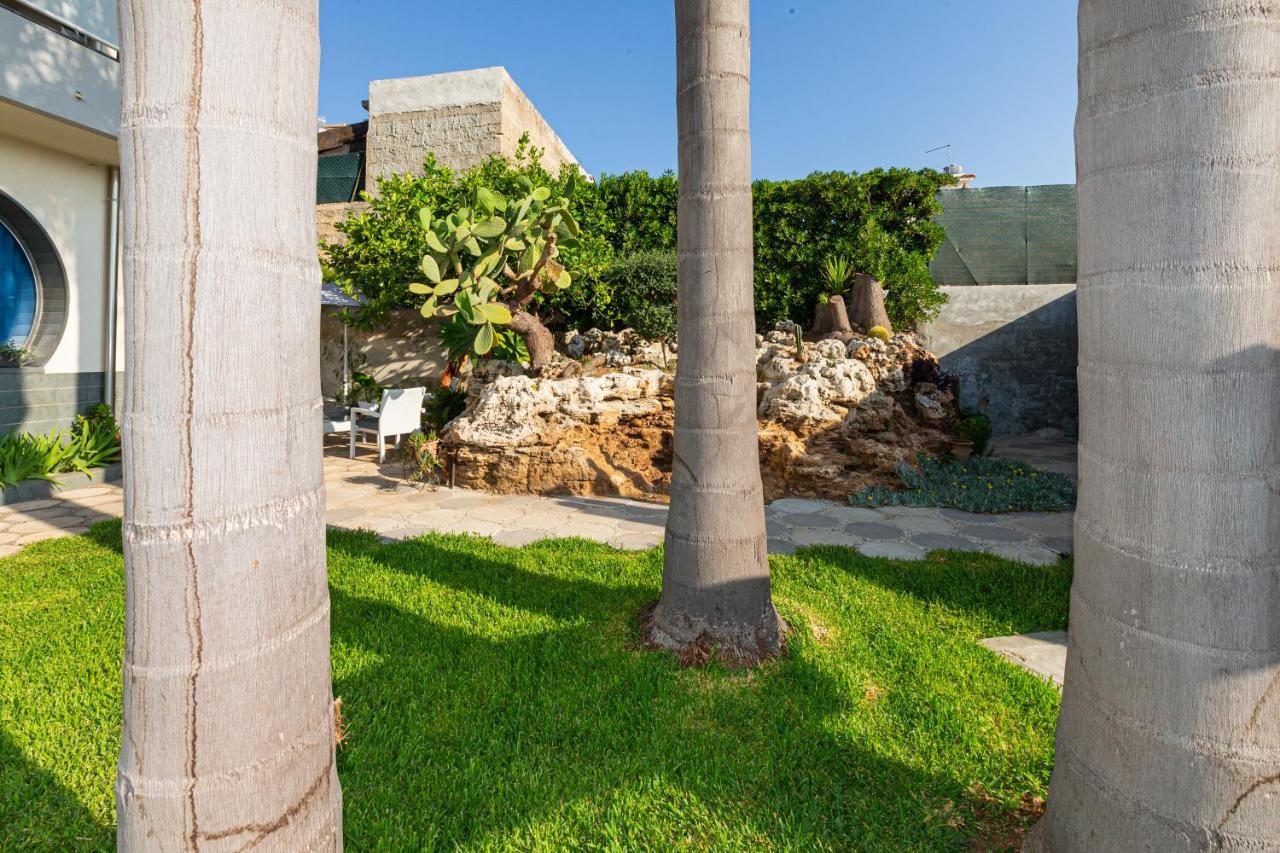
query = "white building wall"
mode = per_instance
[{"x": 69, "y": 197}]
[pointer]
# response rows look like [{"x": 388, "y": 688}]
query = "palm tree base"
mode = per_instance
[{"x": 696, "y": 639}]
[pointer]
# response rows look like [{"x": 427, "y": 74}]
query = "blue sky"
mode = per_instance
[{"x": 836, "y": 84}]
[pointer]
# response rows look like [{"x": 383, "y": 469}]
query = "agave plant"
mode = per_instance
[
  {"x": 836, "y": 272},
  {"x": 487, "y": 262}
]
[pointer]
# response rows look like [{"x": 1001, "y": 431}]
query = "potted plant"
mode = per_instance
[
  {"x": 970, "y": 435},
  {"x": 13, "y": 354}
]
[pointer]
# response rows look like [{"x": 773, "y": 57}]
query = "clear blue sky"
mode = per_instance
[{"x": 836, "y": 84}]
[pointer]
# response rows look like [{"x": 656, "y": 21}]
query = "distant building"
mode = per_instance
[
  {"x": 463, "y": 117},
  {"x": 59, "y": 105}
]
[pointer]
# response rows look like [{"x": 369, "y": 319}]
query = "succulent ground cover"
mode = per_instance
[{"x": 977, "y": 484}]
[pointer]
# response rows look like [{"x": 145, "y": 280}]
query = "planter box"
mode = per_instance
[{"x": 36, "y": 490}]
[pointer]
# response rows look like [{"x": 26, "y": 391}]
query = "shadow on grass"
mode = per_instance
[
  {"x": 1017, "y": 596},
  {"x": 495, "y": 698},
  {"x": 33, "y": 803},
  {"x": 490, "y": 701}
]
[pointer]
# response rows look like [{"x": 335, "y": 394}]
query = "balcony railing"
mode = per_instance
[{"x": 62, "y": 27}]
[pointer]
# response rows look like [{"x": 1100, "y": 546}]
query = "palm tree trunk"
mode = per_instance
[
  {"x": 1169, "y": 737},
  {"x": 228, "y": 712},
  {"x": 715, "y": 582}
]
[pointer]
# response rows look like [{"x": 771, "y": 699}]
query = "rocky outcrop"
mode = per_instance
[{"x": 836, "y": 421}]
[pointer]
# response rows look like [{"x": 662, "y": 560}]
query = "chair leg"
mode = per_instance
[
  {"x": 353, "y": 442},
  {"x": 382, "y": 448}
]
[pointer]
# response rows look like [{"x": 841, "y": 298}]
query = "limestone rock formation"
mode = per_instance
[{"x": 838, "y": 421}]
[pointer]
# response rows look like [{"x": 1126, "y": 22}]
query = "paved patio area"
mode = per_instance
[{"x": 363, "y": 494}]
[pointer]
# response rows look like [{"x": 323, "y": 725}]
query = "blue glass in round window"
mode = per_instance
[{"x": 17, "y": 290}]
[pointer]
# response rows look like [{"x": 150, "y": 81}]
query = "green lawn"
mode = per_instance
[{"x": 496, "y": 699}]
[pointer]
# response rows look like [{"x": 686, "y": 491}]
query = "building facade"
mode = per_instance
[{"x": 59, "y": 294}]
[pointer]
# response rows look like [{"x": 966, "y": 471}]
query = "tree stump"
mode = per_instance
[
  {"x": 831, "y": 320},
  {"x": 868, "y": 303}
]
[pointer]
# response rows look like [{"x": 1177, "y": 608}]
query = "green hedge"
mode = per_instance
[{"x": 881, "y": 220}]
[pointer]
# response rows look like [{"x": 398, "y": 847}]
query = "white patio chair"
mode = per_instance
[{"x": 399, "y": 414}]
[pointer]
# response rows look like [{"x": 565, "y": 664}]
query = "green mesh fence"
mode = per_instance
[
  {"x": 1008, "y": 235},
  {"x": 337, "y": 177}
]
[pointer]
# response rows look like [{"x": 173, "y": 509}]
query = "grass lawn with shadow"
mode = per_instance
[{"x": 497, "y": 698}]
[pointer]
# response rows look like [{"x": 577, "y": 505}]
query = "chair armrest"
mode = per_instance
[{"x": 356, "y": 410}]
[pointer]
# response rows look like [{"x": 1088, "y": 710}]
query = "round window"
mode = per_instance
[
  {"x": 33, "y": 285},
  {"x": 18, "y": 290}
]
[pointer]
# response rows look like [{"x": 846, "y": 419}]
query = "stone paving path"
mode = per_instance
[
  {"x": 362, "y": 494},
  {"x": 1044, "y": 654},
  {"x": 65, "y": 514},
  {"x": 1048, "y": 450}
]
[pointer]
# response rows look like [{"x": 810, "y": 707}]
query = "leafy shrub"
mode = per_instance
[
  {"x": 879, "y": 332},
  {"x": 644, "y": 288},
  {"x": 881, "y": 221},
  {"x": 445, "y": 404},
  {"x": 975, "y": 427},
  {"x": 95, "y": 440},
  {"x": 92, "y": 442},
  {"x": 28, "y": 457},
  {"x": 977, "y": 484},
  {"x": 364, "y": 389},
  {"x": 384, "y": 246}
]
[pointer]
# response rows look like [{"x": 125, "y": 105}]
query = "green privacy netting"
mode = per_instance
[
  {"x": 337, "y": 177},
  {"x": 1008, "y": 235}
]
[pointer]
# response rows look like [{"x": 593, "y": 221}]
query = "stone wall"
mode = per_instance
[
  {"x": 460, "y": 137},
  {"x": 329, "y": 215},
  {"x": 463, "y": 117},
  {"x": 404, "y": 354},
  {"x": 1013, "y": 350},
  {"x": 520, "y": 116}
]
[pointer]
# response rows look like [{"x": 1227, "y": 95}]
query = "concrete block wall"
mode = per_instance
[
  {"x": 37, "y": 402},
  {"x": 1012, "y": 349}
]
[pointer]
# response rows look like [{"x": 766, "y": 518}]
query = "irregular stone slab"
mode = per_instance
[
  {"x": 993, "y": 533},
  {"x": 945, "y": 542},
  {"x": 959, "y": 516},
  {"x": 892, "y": 550},
  {"x": 874, "y": 530},
  {"x": 1032, "y": 554},
  {"x": 815, "y": 536},
  {"x": 1061, "y": 544},
  {"x": 808, "y": 519},
  {"x": 781, "y": 546},
  {"x": 799, "y": 505},
  {"x": 520, "y": 538},
  {"x": 1043, "y": 654},
  {"x": 924, "y": 524}
]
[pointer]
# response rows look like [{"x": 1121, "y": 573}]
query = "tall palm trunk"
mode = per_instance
[
  {"x": 228, "y": 713},
  {"x": 715, "y": 582},
  {"x": 1169, "y": 737}
]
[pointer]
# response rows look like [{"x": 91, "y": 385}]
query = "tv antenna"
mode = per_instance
[{"x": 946, "y": 148}]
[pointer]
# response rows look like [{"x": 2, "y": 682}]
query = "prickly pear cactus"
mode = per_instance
[{"x": 487, "y": 262}]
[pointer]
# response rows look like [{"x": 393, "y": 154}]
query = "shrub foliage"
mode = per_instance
[{"x": 881, "y": 220}]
